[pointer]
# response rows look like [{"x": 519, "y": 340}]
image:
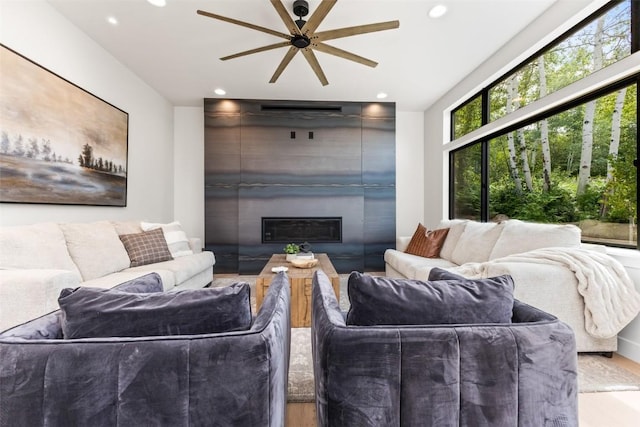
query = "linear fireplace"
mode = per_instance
[{"x": 301, "y": 229}]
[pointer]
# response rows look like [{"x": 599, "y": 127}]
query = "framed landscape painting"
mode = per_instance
[{"x": 59, "y": 144}]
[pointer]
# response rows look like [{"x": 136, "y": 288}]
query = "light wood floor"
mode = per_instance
[{"x": 611, "y": 409}]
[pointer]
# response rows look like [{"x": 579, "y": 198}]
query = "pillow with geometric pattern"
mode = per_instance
[
  {"x": 427, "y": 243},
  {"x": 147, "y": 247}
]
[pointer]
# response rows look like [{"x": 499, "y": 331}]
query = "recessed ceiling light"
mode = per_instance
[
  {"x": 112, "y": 20},
  {"x": 381, "y": 95},
  {"x": 437, "y": 11},
  {"x": 220, "y": 91},
  {"x": 158, "y": 3}
]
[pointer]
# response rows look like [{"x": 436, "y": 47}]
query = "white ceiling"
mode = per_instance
[{"x": 176, "y": 51}]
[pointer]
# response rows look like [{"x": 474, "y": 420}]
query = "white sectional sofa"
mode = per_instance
[
  {"x": 37, "y": 261},
  {"x": 549, "y": 287}
]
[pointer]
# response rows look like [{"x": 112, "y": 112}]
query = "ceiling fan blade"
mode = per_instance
[
  {"x": 344, "y": 54},
  {"x": 283, "y": 64},
  {"x": 318, "y": 15},
  {"x": 245, "y": 24},
  {"x": 286, "y": 18},
  {"x": 315, "y": 65},
  {"x": 256, "y": 50},
  {"x": 359, "y": 29}
]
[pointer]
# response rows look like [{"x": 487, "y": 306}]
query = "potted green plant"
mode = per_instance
[{"x": 291, "y": 250}]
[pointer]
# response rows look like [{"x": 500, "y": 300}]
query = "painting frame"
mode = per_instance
[{"x": 59, "y": 143}]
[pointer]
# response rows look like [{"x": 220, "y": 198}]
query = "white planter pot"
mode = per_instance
[{"x": 291, "y": 256}]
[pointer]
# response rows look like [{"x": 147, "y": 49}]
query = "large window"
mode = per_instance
[
  {"x": 599, "y": 42},
  {"x": 467, "y": 182},
  {"x": 572, "y": 163}
]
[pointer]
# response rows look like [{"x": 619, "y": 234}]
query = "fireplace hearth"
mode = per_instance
[{"x": 302, "y": 229}]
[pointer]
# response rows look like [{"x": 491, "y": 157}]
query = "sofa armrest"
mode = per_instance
[
  {"x": 402, "y": 242},
  {"x": 195, "y": 243},
  {"x": 27, "y": 294}
]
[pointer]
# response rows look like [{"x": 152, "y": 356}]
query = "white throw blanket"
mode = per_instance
[{"x": 610, "y": 298}]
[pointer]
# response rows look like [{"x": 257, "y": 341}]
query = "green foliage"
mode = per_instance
[
  {"x": 588, "y": 204},
  {"x": 621, "y": 194},
  {"x": 291, "y": 248},
  {"x": 556, "y": 205}
]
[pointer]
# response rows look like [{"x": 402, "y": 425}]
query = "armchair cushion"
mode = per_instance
[
  {"x": 386, "y": 301},
  {"x": 95, "y": 313}
]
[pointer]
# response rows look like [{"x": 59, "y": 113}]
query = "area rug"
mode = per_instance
[
  {"x": 595, "y": 373},
  {"x": 598, "y": 374}
]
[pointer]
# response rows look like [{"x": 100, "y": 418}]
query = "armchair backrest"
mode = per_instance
[
  {"x": 523, "y": 373},
  {"x": 232, "y": 378}
]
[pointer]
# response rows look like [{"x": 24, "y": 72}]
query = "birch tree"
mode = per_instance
[
  {"x": 513, "y": 165},
  {"x": 544, "y": 130},
  {"x": 614, "y": 143},
  {"x": 589, "y": 113}
]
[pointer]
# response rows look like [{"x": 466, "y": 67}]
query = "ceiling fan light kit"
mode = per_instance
[{"x": 303, "y": 37}]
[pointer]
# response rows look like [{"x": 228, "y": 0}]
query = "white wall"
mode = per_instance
[
  {"x": 557, "y": 19},
  {"x": 410, "y": 189},
  {"x": 37, "y": 31},
  {"x": 189, "y": 169}
]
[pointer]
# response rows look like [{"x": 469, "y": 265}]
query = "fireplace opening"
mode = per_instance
[{"x": 302, "y": 229}]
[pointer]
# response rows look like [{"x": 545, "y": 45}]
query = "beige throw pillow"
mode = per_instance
[
  {"x": 520, "y": 236},
  {"x": 175, "y": 236},
  {"x": 476, "y": 242},
  {"x": 95, "y": 248},
  {"x": 40, "y": 246}
]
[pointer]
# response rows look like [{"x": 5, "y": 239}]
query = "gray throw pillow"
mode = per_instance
[
  {"x": 93, "y": 313},
  {"x": 387, "y": 301}
]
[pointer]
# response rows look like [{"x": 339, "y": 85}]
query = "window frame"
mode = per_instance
[{"x": 545, "y": 111}]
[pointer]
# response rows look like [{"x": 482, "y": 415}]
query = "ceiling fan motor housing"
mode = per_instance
[{"x": 301, "y": 8}]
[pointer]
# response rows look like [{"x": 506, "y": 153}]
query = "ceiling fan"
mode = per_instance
[{"x": 304, "y": 38}]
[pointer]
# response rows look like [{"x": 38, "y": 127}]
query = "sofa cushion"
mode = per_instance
[
  {"x": 410, "y": 266},
  {"x": 182, "y": 268},
  {"x": 127, "y": 227},
  {"x": 426, "y": 243},
  {"x": 476, "y": 242},
  {"x": 519, "y": 236},
  {"x": 175, "y": 236},
  {"x": 442, "y": 274},
  {"x": 95, "y": 248},
  {"x": 40, "y": 246},
  {"x": 94, "y": 313},
  {"x": 147, "y": 247},
  {"x": 108, "y": 281},
  {"x": 456, "y": 228},
  {"x": 386, "y": 301}
]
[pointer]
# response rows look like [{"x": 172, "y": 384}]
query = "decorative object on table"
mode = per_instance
[
  {"x": 305, "y": 255},
  {"x": 64, "y": 146},
  {"x": 279, "y": 269},
  {"x": 292, "y": 251},
  {"x": 305, "y": 247},
  {"x": 303, "y": 262}
]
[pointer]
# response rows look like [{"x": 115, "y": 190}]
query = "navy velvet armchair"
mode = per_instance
[
  {"x": 234, "y": 378},
  {"x": 521, "y": 373}
]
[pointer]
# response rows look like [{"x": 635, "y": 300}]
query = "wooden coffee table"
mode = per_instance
[{"x": 301, "y": 281}]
